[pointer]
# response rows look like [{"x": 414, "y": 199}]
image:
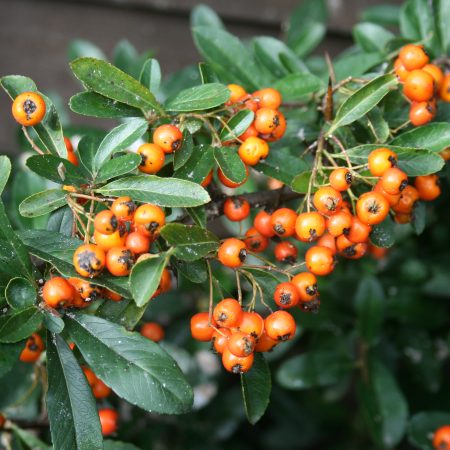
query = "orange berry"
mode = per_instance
[
  {"x": 267, "y": 120},
  {"x": 408, "y": 199},
  {"x": 255, "y": 241},
  {"x": 108, "y": 241},
  {"x": 241, "y": 344},
  {"x": 228, "y": 313},
  {"x": 413, "y": 57},
  {"x": 153, "y": 158},
  {"x": 236, "y": 208},
  {"x": 265, "y": 343},
  {"x": 168, "y": 137},
  {"x": 252, "y": 150},
  {"x": 28, "y": 108},
  {"x": 380, "y": 160},
  {"x": 419, "y": 86},
  {"x": 339, "y": 223},
  {"x": 219, "y": 339},
  {"x": 286, "y": 252},
  {"x": 123, "y": 208},
  {"x": 33, "y": 349},
  {"x": 252, "y": 323},
  {"x": 149, "y": 219},
  {"x": 349, "y": 249},
  {"x": 268, "y": 98},
  {"x": 138, "y": 243},
  {"x": 280, "y": 326},
  {"x": 394, "y": 181},
  {"x": 320, "y": 260},
  {"x": 421, "y": 113},
  {"x": 286, "y": 295},
  {"x": 119, "y": 261},
  {"x": 89, "y": 260},
  {"x": 372, "y": 208},
  {"x": 428, "y": 187},
  {"x": 359, "y": 231},
  {"x": 106, "y": 222},
  {"x": 441, "y": 438},
  {"x": 229, "y": 183},
  {"x": 201, "y": 329},
  {"x": 263, "y": 223},
  {"x": 341, "y": 179},
  {"x": 237, "y": 92},
  {"x": 327, "y": 240},
  {"x": 327, "y": 200},
  {"x": 283, "y": 222},
  {"x": 400, "y": 70},
  {"x": 232, "y": 252},
  {"x": 444, "y": 92},
  {"x": 153, "y": 331},
  {"x": 436, "y": 73},
  {"x": 236, "y": 364},
  {"x": 309, "y": 226},
  {"x": 58, "y": 292},
  {"x": 306, "y": 284},
  {"x": 108, "y": 420}
]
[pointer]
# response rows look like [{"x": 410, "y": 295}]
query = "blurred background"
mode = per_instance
[{"x": 35, "y": 35}]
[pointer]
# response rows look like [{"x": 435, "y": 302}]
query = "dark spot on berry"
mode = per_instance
[
  {"x": 331, "y": 203},
  {"x": 29, "y": 107},
  {"x": 222, "y": 317},
  {"x": 126, "y": 258},
  {"x": 88, "y": 262},
  {"x": 279, "y": 229},
  {"x": 350, "y": 251},
  {"x": 176, "y": 145},
  {"x": 311, "y": 290},
  {"x": 237, "y": 368},
  {"x": 348, "y": 178},
  {"x": 114, "y": 223},
  {"x": 373, "y": 207},
  {"x": 346, "y": 231},
  {"x": 403, "y": 184},
  {"x": 312, "y": 234},
  {"x": 392, "y": 160},
  {"x": 242, "y": 255},
  {"x": 285, "y": 298},
  {"x": 285, "y": 337},
  {"x": 289, "y": 260}
]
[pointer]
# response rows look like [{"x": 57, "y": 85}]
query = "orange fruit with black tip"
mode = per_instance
[{"x": 28, "y": 108}]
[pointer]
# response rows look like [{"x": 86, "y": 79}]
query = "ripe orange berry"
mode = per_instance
[
  {"x": 236, "y": 364},
  {"x": 111, "y": 295},
  {"x": 251, "y": 131},
  {"x": 372, "y": 208},
  {"x": 400, "y": 70},
  {"x": 421, "y": 113},
  {"x": 402, "y": 218},
  {"x": 283, "y": 222},
  {"x": 394, "y": 181},
  {"x": 168, "y": 137},
  {"x": 237, "y": 92},
  {"x": 445, "y": 154},
  {"x": 228, "y": 313},
  {"x": 138, "y": 243},
  {"x": 241, "y": 344},
  {"x": 327, "y": 240},
  {"x": 280, "y": 326},
  {"x": 441, "y": 438},
  {"x": 89, "y": 260},
  {"x": 207, "y": 180},
  {"x": 201, "y": 329},
  {"x": 267, "y": 120},
  {"x": 268, "y": 98},
  {"x": 232, "y": 252},
  {"x": 341, "y": 179},
  {"x": 68, "y": 144},
  {"x": 90, "y": 376},
  {"x": 28, "y": 108},
  {"x": 306, "y": 284},
  {"x": 252, "y": 150},
  {"x": 286, "y": 295},
  {"x": 380, "y": 160},
  {"x": 108, "y": 241},
  {"x": 444, "y": 92},
  {"x": 349, "y": 249},
  {"x": 123, "y": 208},
  {"x": 428, "y": 187},
  {"x": 252, "y": 323},
  {"x": 408, "y": 199},
  {"x": 219, "y": 339},
  {"x": 153, "y": 158},
  {"x": 165, "y": 283},
  {"x": 320, "y": 260},
  {"x": 265, "y": 343},
  {"x": 359, "y": 231},
  {"x": 327, "y": 200},
  {"x": 263, "y": 223},
  {"x": 391, "y": 198},
  {"x": 33, "y": 349},
  {"x": 71, "y": 157},
  {"x": 153, "y": 331},
  {"x": 86, "y": 290},
  {"x": 2, "y": 421},
  {"x": 106, "y": 222},
  {"x": 58, "y": 292},
  {"x": 413, "y": 57},
  {"x": 419, "y": 86},
  {"x": 286, "y": 252},
  {"x": 377, "y": 252},
  {"x": 255, "y": 241},
  {"x": 278, "y": 132},
  {"x": 227, "y": 182},
  {"x": 108, "y": 420},
  {"x": 309, "y": 226},
  {"x": 436, "y": 73},
  {"x": 101, "y": 390},
  {"x": 236, "y": 208},
  {"x": 149, "y": 219},
  {"x": 119, "y": 261},
  {"x": 339, "y": 223},
  {"x": 247, "y": 102}
]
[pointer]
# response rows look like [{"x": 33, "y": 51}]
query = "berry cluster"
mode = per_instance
[{"x": 423, "y": 83}]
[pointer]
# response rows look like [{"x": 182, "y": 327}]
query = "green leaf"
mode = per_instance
[
  {"x": 145, "y": 278},
  {"x": 384, "y": 14},
  {"x": 282, "y": 165},
  {"x": 371, "y": 37},
  {"x": 256, "y": 387},
  {"x": 419, "y": 215},
  {"x": 14, "y": 259},
  {"x": 160, "y": 191},
  {"x": 307, "y": 370},
  {"x": 53, "y": 322},
  {"x": 199, "y": 164},
  {"x": 96, "y": 105},
  {"x": 58, "y": 249},
  {"x": 442, "y": 18},
  {"x": 414, "y": 161},
  {"x": 369, "y": 304},
  {"x": 296, "y": 85},
  {"x": 382, "y": 234},
  {"x": 434, "y": 137},
  {"x": 300, "y": 182},
  {"x": 150, "y": 75},
  {"x": 49, "y": 129},
  {"x": 230, "y": 163},
  {"x": 191, "y": 242},
  {"x": 56, "y": 169},
  {"x": 312, "y": 35},
  {"x": 105, "y": 79},
  {"x": 198, "y": 215},
  {"x": 202, "y": 97},
  {"x": 72, "y": 413},
  {"x": 203, "y": 15},
  {"x": 81, "y": 48},
  {"x": 207, "y": 74},
  {"x": 9, "y": 355},
  {"x": 181, "y": 157},
  {"x": 20, "y": 293},
  {"x": 237, "y": 125},
  {"x": 125, "y": 312},
  {"x": 43, "y": 203},
  {"x": 118, "y": 166},
  {"x": 363, "y": 100},
  {"x": 222, "y": 49},
  {"x": 384, "y": 407},
  {"x": 422, "y": 426},
  {"x": 29, "y": 439},
  {"x": 377, "y": 125},
  {"x": 18, "y": 325},
  {"x": 87, "y": 148},
  {"x": 119, "y": 138},
  {"x": 126, "y": 58},
  {"x": 195, "y": 271},
  {"x": 5, "y": 170},
  {"x": 61, "y": 221},
  {"x": 137, "y": 369},
  {"x": 356, "y": 64}
]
